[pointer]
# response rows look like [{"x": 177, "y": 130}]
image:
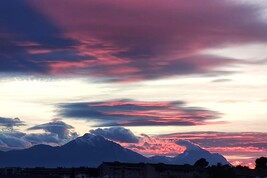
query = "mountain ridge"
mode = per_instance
[{"x": 91, "y": 150}]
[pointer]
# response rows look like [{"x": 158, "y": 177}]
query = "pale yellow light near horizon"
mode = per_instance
[
  {"x": 240, "y": 96},
  {"x": 35, "y": 99}
]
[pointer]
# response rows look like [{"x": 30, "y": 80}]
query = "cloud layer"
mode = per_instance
[
  {"x": 123, "y": 41},
  {"x": 138, "y": 113}
]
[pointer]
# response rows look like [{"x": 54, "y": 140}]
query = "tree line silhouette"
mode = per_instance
[{"x": 223, "y": 171}]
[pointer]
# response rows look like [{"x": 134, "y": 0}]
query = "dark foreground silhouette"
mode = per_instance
[{"x": 142, "y": 170}]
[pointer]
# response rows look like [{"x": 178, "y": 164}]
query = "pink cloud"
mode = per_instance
[
  {"x": 244, "y": 147},
  {"x": 39, "y": 51},
  {"x": 241, "y": 148},
  {"x": 150, "y": 146},
  {"x": 137, "y": 40},
  {"x": 140, "y": 113}
]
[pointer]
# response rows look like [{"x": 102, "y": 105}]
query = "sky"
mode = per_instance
[{"x": 142, "y": 73}]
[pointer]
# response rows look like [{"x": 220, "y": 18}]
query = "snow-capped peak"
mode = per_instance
[
  {"x": 189, "y": 145},
  {"x": 90, "y": 139}
]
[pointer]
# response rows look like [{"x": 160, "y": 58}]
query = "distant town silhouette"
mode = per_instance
[{"x": 200, "y": 169}]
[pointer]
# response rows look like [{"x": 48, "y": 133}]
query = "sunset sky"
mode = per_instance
[{"x": 142, "y": 73}]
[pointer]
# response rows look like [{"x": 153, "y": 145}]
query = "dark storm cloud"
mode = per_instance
[
  {"x": 119, "y": 134},
  {"x": 123, "y": 41},
  {"x": 138, "y": 113}
]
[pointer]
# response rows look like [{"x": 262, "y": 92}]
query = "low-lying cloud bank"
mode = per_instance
[{"x": 53, "y": 133}]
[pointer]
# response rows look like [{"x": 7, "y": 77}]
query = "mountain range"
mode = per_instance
[{"x": 91, "y": 150}]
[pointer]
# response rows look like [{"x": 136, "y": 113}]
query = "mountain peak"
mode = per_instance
[
  {"x": 89, "y": 136},
  {"x": 92, "y": 150},
  {"x": 87, "y": 150},
  {"x": 194, "y": 152},
  {"x": 189, "y": 145},
  {"x": 90, "y": 139}
]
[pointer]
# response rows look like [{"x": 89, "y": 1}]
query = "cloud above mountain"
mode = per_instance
[
  {"x": 54, "y": 133},
  {"x": 118, "y": 134},
  {"x": 13, "y": 140},
  {"x": 60, "y": 128},
  {"x": 138, "y": 113}
]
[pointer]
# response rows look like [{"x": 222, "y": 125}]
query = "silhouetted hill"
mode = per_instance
[
  {"x": 88, "y": 150},
  {"x": 192, "y": 155}
]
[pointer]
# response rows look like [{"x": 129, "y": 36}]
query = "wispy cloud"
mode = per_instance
[{"x": 9, "y": 123}]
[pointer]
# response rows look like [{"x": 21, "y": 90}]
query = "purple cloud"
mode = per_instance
[
  {"x": 131, "y": 41},
  {"x": 139, "y": 113}
]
